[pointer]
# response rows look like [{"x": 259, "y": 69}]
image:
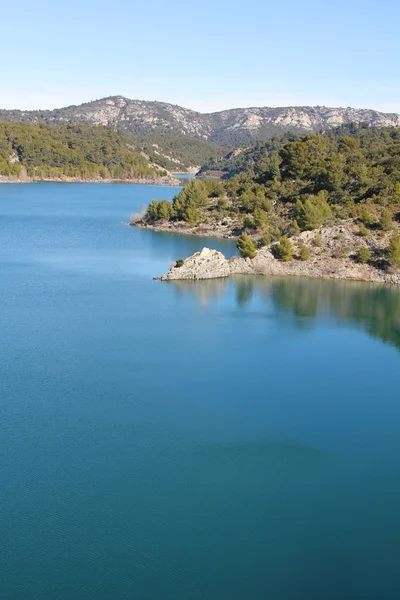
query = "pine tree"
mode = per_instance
[
  {"x": 245, "y": 246},
  {"x": 386, "y": 222},
  {"x": 394, "y": 250},
  {"x": 284, "y": 249}
]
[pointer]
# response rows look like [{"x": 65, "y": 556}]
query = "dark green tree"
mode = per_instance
[
  {"x": 246, "y": 246},
  {"x": 394, "y": 250},
  {"x": 284, "y": 249}
]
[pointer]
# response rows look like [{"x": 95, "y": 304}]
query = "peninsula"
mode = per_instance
[{"x": 319, "y": 205}]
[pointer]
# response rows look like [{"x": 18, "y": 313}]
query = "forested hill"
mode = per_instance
[
  {"x": 177, "y": 153},
  {"x": 256, "y": 158},
  {"x": 75, "y": 151},
  {"x": 334, "y": 174},
  {"x": 345, "y": 184},
  {"x": 231, "y": 128}
]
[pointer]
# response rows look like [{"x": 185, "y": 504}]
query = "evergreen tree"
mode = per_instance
[
  {"x": 394, "y": 250},
  {"x": 246, "y": 246},
  {"x": 284, "y": 249},
  {"x": 312, "y": 213},
  {"x": 386, "y": 222}
]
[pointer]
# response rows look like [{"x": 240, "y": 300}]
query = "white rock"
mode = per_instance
[{"x": 207, "y": 264}]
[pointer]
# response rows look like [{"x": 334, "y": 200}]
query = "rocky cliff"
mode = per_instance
[
  {"x": 229, "y": 127},
  {"x": 207, "y": 264}
]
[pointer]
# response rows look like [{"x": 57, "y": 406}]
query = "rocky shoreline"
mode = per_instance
[
  {"x": 172, "y": 181},
  {"x": 330, "y": 261},
  {"x": 181, "y": 228},
  {"x": 211, "y": 264}
]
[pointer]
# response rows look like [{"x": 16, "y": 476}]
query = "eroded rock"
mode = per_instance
[{"x": 207, "y": 264}]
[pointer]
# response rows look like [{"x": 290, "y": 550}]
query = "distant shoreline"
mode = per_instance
[
  {"x": 203, "y": 230},
  {"x": 4, "y": 179}
]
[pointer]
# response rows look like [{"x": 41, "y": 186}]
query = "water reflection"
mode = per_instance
[
  {"x": 204, "y": 291},
  {"x": 374, "y": 308}
]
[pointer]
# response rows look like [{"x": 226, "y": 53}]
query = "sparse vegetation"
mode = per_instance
[{"x": 317, "y": 241}]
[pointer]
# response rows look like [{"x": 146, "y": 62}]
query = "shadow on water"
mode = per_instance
[{"x": 373, "y": 308}]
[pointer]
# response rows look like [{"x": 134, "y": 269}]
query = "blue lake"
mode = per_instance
[{"x": 217, "y": 440}]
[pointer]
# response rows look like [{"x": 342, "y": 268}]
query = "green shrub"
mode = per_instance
[
  {"x": 266, "y": 239},
  {"x": 364, "y": 255},
  {"x": 386, "y": 222},
  {"x": 246, "y": 246},
  {"x": 284, "y": 249},
  {"x": 179, "y": 263},
  {"x": 394, "y": 250},
  {"x": 260, "y": 218},
  {"x": 294, "y": 228},
  {"x": 317, "y": 241},
  {"x": 366, "y": 217},
  {"x": 363, "y": 231},
  {"x": 248, "y": 222},
  {"x": 304, "y": 252}
]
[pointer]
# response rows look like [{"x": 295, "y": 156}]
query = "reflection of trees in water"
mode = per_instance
[
  {"x": 373, "y": 307},
  {"x": 244, "y": 290}
]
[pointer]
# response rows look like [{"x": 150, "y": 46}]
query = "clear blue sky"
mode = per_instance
[{"x": 202, "y": 55}]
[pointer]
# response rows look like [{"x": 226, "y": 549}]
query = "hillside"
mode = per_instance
[
  {"x": 332, "y": 197},
  {"x": 70, "y": 151},
  {"x": 177, "y": 153},
  {"x": 255, "y": 157},
  {"x": 226, "y": 128}
]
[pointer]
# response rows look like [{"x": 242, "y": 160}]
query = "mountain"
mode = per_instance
[{"x": 227, "y": 128}]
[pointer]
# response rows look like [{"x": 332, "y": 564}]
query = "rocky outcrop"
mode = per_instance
[
  {"x": 335, "y": 258},
  {"x": 207, "y": 264},
  {"x": 229, "y": 127},
  {"x": 318, "y": 267}
]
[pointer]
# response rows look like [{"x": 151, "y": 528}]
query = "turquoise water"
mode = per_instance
[{"x": 218, "y": 440}]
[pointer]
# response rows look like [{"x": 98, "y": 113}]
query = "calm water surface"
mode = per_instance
[{"x": 223, "y": 440}]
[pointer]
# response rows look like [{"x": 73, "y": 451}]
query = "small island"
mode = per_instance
[{"x": 323, "y": 205}]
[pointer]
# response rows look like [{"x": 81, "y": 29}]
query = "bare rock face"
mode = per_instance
[
  {"x": 207, "y": 264},
  {"x": 229, "y": 127}
]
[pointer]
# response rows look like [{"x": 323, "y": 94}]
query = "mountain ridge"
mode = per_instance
[{"x": 231, "y": 127}]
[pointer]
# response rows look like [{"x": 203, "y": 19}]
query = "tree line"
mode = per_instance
[{"x": 80, "y": 151}]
